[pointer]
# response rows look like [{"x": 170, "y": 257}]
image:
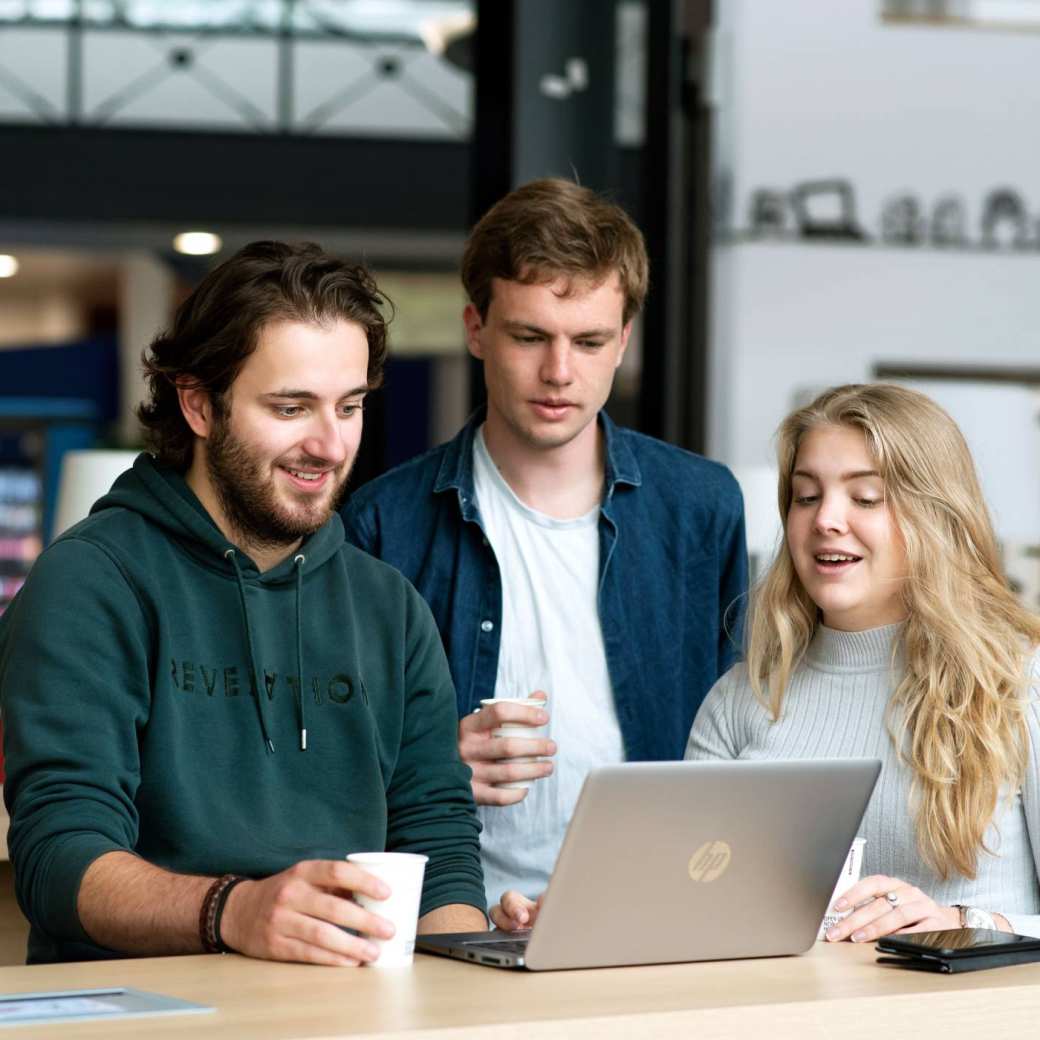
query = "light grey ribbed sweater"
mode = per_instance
[{"x": 835, "y": 707}]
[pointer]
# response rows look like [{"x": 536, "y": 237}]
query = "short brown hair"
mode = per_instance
[
  {"x": 554, "y": 227},
  {"x": 218, "y": 326}
]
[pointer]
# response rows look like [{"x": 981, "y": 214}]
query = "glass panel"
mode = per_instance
[
  {"x": 176, "y": 80},
  {"x": 32, "y": 76},
  {"x": 385, "y": 21},
  {"x": 369, "y": 66},
  {"x": 395, "y": 91}
]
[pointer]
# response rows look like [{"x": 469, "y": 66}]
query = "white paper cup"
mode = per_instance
[
  {"x": 403, "y": 872},
  {"x": 849, "y": 876},
  {"x": 518, "y": 729}
]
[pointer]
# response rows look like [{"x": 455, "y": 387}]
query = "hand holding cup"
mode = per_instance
[
  {"x": 505, "y": 745},
  {"x": 316, "y": 911},
  {"x": 402, "y": 877}
]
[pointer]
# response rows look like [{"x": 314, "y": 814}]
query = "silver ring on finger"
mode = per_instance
[{"x": 893, "y": 899}]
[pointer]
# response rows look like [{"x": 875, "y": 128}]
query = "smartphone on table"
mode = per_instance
[{"x": 960, "y": 949}]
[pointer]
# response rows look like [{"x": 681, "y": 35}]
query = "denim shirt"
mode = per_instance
[{"x": 672, "y": 573}]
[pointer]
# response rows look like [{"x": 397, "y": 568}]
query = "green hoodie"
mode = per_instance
[{"x": 131, "y": 720}]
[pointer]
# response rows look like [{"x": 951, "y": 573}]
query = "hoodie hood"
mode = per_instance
[{"x": 162, "y": 496}]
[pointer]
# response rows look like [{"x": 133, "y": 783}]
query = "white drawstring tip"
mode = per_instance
[
  {"x": 270, "y": 745},
  {"x": 303, "y": 740}
]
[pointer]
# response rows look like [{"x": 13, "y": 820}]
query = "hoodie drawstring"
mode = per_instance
[
  {"x": 298, "y": 561},
  {"x": 231, "y": 555}
]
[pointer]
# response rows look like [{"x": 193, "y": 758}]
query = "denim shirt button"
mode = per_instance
[{"x": 486, "y": 626}]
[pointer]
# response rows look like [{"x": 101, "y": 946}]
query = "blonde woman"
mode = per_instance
[{"x": 885, "y": 628}]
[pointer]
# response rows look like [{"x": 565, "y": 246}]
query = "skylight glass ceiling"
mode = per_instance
[
  {"x": 383, "y": 20},
  {"x": 368, "y": 67}
]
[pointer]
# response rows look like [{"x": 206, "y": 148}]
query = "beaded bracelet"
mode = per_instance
[{"x": 213, "y": 910}]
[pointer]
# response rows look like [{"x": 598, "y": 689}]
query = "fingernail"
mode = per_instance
[
  {"x": 832, "y": 934},
  {"x": 388, "y": 930},
  {"x": 841, "y": 904},
  {"x": 371, "y": 952},
  {"x": 384, "y": 890},
  {"x": 542, "y": 716},
  {"x": 858, "y": 936}
]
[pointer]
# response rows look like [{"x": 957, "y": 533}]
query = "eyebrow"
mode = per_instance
[
  {"x": 528, "y": 327},
  {"x": 309, "y": 395},
  {"x": 855, "y": 474}
]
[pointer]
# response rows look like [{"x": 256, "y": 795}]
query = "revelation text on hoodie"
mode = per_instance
[{"x": 231, "y": 680}]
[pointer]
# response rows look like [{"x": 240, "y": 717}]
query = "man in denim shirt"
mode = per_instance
[{"x": 561, "y": 555}]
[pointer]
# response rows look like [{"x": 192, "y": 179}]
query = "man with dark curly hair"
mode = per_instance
[{"x": 209, "y": 697}]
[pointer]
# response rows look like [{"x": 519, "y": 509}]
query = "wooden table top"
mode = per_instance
[{"x": 834, "y": 991}]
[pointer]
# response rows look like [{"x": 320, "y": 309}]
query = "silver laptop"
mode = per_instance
[{"x": 688, "y": 861}]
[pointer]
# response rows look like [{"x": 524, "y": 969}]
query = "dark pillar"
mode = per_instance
[
  {"x": 544, "y": 100},
  {"x": 676, "y": 222}
]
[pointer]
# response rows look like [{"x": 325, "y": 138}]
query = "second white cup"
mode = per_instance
[
  {"x": 403, "y": 872},
  {"x": 518, "y": 729}
]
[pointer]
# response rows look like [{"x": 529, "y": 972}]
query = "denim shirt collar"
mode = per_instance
[{"x": 456, "y": 469}]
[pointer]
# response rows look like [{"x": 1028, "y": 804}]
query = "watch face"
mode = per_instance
[{"x": 976, "y": 918}]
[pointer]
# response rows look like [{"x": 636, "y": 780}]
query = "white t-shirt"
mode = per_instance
[{"x": 550, "y": 640}]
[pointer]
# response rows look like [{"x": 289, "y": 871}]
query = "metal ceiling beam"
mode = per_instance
[{"x": 90, "y": 174}]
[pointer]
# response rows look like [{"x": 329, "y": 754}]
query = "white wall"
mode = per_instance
[
  {"x": 999, "y": 422},
  {"x": 811, "y": 89},
  {"x": 817, "y": 88},
  {"x": 804, "y": 317}
]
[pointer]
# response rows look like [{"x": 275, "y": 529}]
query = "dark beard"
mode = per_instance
[{"x": 247, "y": 498}]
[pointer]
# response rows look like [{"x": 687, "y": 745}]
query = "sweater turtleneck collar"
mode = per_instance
[{"x": 868, "y": 651}]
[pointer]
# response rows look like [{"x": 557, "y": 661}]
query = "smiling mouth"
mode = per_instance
[
  {"x": 835, "y": 561},
  {"x": 314, "y": 478}
]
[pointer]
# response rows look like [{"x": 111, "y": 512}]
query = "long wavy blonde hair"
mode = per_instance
[{"x": 957, "y": 716}]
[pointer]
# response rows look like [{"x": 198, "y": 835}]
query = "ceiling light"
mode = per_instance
[
  {"x": 8, "y": 265},
  {"x": 197, "y": 243}
]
